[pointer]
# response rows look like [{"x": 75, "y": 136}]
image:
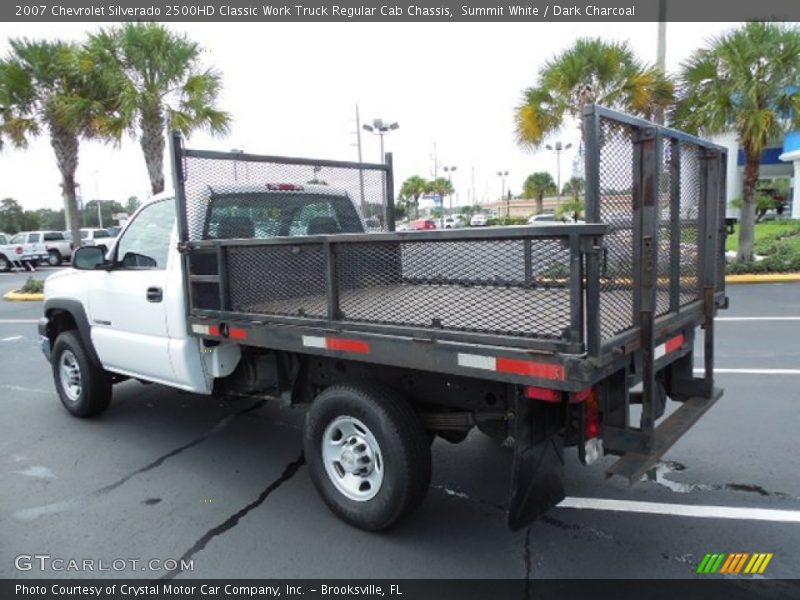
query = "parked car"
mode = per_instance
[
  {"x": 20, "y": 252},
  {"x": 58, "y": 246},
  {"x": 479, "y": 220},
  {"x": 452, "y": 222},
  {"x": 423, "y": 224},
  {"x": 101, "y": 238},
  {"x": 114, "y": 230},
  {"x": 543, "y": 219}
]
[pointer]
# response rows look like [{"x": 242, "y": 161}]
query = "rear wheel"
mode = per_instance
[
  {"x": 5, "y": 264},
  {"x": 368, "y": 454},
  {"x": 84, "y": 389},
  {"x": 54, "y": 258}
]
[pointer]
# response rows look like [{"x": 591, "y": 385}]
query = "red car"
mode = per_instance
[{"x": 423, "y": 224}]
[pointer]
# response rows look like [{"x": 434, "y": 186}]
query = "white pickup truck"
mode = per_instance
[
  {"x": 251, "y": 281},
  {"x": 21, "y": 252}
]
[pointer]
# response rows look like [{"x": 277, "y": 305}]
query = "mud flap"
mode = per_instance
[{"x": 537, "y": 472}]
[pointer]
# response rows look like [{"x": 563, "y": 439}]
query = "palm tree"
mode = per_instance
[
  {"x": 537, "y": 185},
  {"x": 53, "y": 85},
  {"x": 591, "y": 71},
  {"x": 744, "y": 81},
  {"x": 414, "y": 187},
  {"x": 574, "y": 187},
  {"x": 15, "y": 125},
  {"x": 441, "y": 186},
  {"x": 161, "y": 85}
]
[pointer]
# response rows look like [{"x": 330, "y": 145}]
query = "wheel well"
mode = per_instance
[{"x": 60, "y": 321}]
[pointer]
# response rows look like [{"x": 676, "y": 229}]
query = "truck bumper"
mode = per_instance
[{"x": 44, "y": 339}]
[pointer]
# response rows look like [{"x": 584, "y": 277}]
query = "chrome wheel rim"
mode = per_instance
[
  {"x": 52, "y": 259},
  {"x": 70, "y": 373},
  {"x": 352, "y": 458}
]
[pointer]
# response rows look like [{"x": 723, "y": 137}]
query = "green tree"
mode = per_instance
[
  {"x": 574, "y": 187},
  {"x": 55, "y": 85},
  {"x": 572, "y": 208},
  {"x": 746, "y": 81},
  {"x": 15, "y": 125},
  {"x": 51, "y": 219},
  {"x": 442, "y": 187},
  {"x": 591, "y": 71},
  {"x": 161, "y": 85},
  {"x": 132, "y": 205},
  {"x": 412, "y": 189},
  {"x": 11, "y": 216},
  {"x": 538, "y": 185}
]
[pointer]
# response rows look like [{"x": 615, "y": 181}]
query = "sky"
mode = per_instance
[{"x": 292, "y": 89}]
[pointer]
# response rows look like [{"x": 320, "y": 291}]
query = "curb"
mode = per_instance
[
  {"x": 17, "y": 296},
  {"x": 765, "y": 278}
]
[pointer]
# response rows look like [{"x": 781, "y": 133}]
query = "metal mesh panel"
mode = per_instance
[
  {"x": 508, "y": 287},
  {"x": 690, "y": 192},
  {"x": 664, "y": 235},
  {"x": 615, "y": 198},
  {"x": 215, "y": 185},
  {"x": 278, "y": 280}
]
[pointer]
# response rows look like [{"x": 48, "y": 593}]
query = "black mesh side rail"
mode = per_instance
[
  {"x": 502, "y": 284},
  {"x": 653, "y": 187}
]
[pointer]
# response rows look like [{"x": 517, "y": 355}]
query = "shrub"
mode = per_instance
[
  {"x": 33, "y": 286},
  {"x": 507, "y": 221}
]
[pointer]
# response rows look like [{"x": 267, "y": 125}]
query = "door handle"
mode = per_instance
[{"x": 155, "y": 294}]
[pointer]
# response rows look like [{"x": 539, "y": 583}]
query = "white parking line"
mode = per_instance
[
  {"x": 757, "y": 319},
  {"x": 752, "y": 371},
  {"x": 16, "y": 321},
  {"x": 683, "y": 510},
  {"x": 13, "y": 338}
]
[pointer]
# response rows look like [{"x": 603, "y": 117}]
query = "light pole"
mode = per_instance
[
  {"x": 558, "y": 148},
  {"x": 449, "y": 171},
  {"x": 502, "y": 175},
  {"x": 381, "y": 127}
]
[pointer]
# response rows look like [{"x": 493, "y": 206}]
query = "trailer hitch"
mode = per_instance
[{"x": 537, "y": 471}]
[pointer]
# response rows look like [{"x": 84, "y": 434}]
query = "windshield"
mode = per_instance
[{"x": 275, "y": 214}]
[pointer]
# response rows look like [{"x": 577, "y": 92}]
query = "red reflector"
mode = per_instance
[
  {"x": 237, "y": 333},
  {"x": 357, "y": 346},
  {"x": 538, "y": 393},
  {"x": 530, "y": 368},
  {"x": 674, "y": 343},
  {"x": 213, "y": 330},
  {"x": 592, "y": 427}
]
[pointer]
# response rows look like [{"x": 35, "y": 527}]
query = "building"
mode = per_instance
[{"x": 780, "y": 159}]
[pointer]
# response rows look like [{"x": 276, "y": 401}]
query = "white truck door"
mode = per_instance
[{"x": 128, "y": 308}]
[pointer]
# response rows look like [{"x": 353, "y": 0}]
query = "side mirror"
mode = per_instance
[{"x": 88, "y": 258}]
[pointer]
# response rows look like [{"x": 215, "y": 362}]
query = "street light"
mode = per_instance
[
  {"x": 449, "y": 171},
  {"x": 558, "y": 149},
  {"x": 502, "y": 175},
  {"x": 381, "y": 128}
]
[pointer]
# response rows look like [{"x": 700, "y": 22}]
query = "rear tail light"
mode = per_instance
[{"x": 592, "y": 442}]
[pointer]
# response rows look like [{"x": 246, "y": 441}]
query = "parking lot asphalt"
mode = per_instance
[{"x": 165, "y": 474}]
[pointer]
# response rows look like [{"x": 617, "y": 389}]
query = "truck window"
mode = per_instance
[
  {"x": 18, "y": 239},
  {"x": 145, "y": 243},
  {"x": 101, "y": 233},
  {"x": 34, "y": 238},
  {"x": 280, "y": 214},
  {"x": 53, "y": 236}
]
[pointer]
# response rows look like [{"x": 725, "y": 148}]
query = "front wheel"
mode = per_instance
[
  {"x": 368, "y": 454},
  {"x": 84, "y": 389}
]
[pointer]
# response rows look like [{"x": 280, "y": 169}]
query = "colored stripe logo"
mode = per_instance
[{"x": 734, "y": 563}]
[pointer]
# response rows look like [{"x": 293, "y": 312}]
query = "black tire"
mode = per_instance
[
  {"x": 54, "y": 258},
  {"x": 94, "y": 384},
  {"x": 403, "y": 445},
  {"x": 5, "y": 264}
]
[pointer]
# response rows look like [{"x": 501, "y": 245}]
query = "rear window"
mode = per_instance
[
  {"x": 53, "y": 236},
  {"x": 101, "y": 233},
  {"x": 277, "y": 215}
]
